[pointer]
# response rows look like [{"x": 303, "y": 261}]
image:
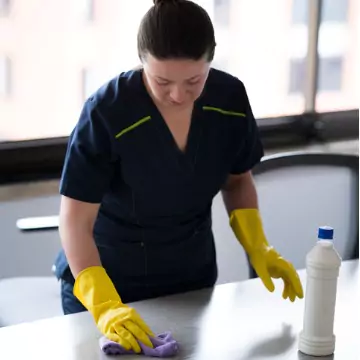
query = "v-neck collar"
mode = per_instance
[
  {"x": 186, "y": 157},
  {"x": 170, "y": 136}
]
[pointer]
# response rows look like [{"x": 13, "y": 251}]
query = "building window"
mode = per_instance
[
  {"x": 220, "y": 64},
  {"x": 331, "y": 11},
  {"x": 334, "y": 10},
  {"x": 86, "y": 80},
  {"x": 86, "y": 9},
  {"x": 329, "y": 74},
  {"x": 4, "y": 7},
  {"x": 222, "y": 12},
  {"x": 92, "y": 80},
  {"x": 297, "y": 75},
  {"x": 300, "y": 11},
  {"x": 5, "y": 76},
  {"x": 89, "y": 10}
]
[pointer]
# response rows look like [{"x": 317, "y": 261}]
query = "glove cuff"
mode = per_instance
[
  {"x": 94, "y": 287},
  {"x": 247, "y": 227}
]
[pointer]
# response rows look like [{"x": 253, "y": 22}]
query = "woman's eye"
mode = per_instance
[
  {"x": 193, "y": 82},
  {"x": 163, "y": 83}
]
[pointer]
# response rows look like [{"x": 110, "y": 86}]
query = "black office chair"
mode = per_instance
[{"x": 298, "y": 192}]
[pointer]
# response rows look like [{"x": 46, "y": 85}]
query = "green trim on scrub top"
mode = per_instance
[
  {"x": 133, "y": 126},
  {"x": 224, "y": 112}
]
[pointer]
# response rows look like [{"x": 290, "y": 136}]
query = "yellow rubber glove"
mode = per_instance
[
  {"x": 117, "y": 321},
  {"x": 266, "y": 261}
]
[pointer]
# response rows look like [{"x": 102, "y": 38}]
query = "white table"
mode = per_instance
[{"x": 239, "y": 321}]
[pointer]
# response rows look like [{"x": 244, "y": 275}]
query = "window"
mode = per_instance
[
  {"x": 61, "y": 59},
  {"x": 5, "y": 76},
  {"x": 300, "y": 11},
  {"x": 92, "y": 78},
  {"x": 338, "y": 88},
  {"x": 87, "y": 83},
  {"x": 4, "y": 7},
  {"x": 220, "y": 64},
  {"x": 87, "y": 9},
  {"x": 329, "y": 75},
  {"x": 297, "y": 76},
  {"x": 331, "y": 11},
  {"x": 222, "y": 12},
  {"x": 334, "y": 10}
]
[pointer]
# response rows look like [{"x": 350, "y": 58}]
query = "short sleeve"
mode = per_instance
[
  {"x": 88, "y": 165},
  {"x": 250, "y": 149}
]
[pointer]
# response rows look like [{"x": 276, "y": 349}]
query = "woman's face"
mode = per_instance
[{"x": 175, "y": 83}]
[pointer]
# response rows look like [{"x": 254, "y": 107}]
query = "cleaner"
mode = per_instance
[{"x": 322, "y": 267}]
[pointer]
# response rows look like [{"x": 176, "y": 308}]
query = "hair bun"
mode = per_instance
[{"x": 159, "y": 2}]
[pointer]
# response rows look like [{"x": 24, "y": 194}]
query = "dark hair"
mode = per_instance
[{"x": 176, "y": 29}]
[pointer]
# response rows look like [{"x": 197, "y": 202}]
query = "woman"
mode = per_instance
[{"x": 150, "y": 151}]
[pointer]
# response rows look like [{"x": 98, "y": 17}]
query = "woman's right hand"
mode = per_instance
[
  {"x": 116, "y": 321},
  {"x": 122, "y": 324}
]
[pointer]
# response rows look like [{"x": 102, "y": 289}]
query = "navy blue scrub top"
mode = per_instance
[{"x": 154, "y": 222}]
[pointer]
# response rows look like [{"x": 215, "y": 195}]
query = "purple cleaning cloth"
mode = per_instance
[{"x": 164, "y": 346}]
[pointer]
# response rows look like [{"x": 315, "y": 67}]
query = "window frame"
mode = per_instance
[
  {"x": 37, "y": 160},
  {"x": 298, "y": 75},
  {"x": 41, "y": 159}
]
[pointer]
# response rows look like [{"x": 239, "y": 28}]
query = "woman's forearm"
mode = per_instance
[
  {"x": 239, "y": 192},
  {"x": 76, "y": 233}
]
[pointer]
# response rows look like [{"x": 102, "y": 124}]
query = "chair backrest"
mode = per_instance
[{"x": 298, "y": 192}]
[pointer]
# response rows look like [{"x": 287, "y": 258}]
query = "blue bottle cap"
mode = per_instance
[{"x": 326, "y": 233}]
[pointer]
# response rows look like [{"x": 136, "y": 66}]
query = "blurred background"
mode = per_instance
[
  {"x": 53, "y": 54},
  {"x": 299, "y": 61}
]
